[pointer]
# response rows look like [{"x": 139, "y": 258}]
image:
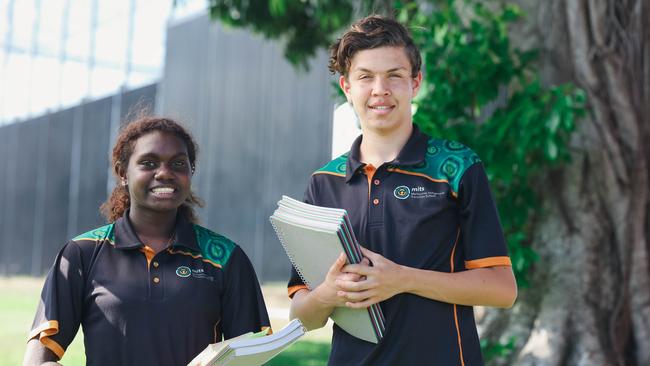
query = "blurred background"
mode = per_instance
[
  {"x": 554, "y": 96},
  {"x": 73, "y": 71}
]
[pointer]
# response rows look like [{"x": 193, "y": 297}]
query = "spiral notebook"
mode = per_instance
[
  {"x": 250, "y": 349},
  {"x": 313, "y": 237}
]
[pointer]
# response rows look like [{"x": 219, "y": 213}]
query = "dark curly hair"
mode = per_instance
[
  {"x": 372, "y": 32},
  {"x": 119, "y": 201}
]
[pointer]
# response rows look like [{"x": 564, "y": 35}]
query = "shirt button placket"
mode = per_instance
[
  {"x": 375, "y": 214},
  {"x": 155, "y": 272}
]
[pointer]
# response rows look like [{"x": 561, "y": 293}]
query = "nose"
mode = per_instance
[
  {"x": 380, "y": 87},
  {"x": 163, "y": 172}
]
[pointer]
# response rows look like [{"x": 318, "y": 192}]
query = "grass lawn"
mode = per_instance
[{"x": 19, "y": 297}]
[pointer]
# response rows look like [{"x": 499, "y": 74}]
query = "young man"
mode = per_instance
[{"x": 420, "y": 206}]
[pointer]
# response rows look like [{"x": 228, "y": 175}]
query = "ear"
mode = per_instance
[
  {"x": 417, "y": 81},
  {"x": 344, "y": 84},
  {"x": 120, "y": 171}
]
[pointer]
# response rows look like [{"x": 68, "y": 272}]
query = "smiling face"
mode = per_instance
[
  {"x": 380, "y": 87},
  {"x": 158, "y": 174}
]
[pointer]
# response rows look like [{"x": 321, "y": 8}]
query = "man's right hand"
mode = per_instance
[
  {"x": 314, "y": 307},
  {"x": 326, "y": 292}
]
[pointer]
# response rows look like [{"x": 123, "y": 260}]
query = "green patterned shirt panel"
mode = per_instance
[
  {"x": 214, "y": 247},
  {"x": 444, "y": 160},
  {"x": 335, "y": 167},
  {"x": 447, "y": 161},
  {"x": 106, "y": 232}
]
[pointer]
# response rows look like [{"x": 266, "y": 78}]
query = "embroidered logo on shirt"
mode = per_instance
[
  {"x": 200, "y": 273},
  {"x": 183, "y": 271},
  {"x": 402, "y": 192}
]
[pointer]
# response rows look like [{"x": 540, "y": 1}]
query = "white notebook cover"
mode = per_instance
[
  {"x": 312, "y": 252},
  {"x": 249, "y": 349}
]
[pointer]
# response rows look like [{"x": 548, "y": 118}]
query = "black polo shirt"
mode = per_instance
[
  {"x": 431, "y": 208},
  {"x": 137, "y": 308}
]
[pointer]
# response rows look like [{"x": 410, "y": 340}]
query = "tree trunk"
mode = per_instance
[{"x": 589, "y": 299}]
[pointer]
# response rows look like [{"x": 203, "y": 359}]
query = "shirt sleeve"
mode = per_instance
[
  {"x": 59, "y": 311},
  {"x": 243, "y": 305},
  {"x": 295, "y": 281},
  {"x": 481, "y": 237}
]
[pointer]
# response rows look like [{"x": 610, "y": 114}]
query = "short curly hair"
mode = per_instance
[
  {"x": 372, "y": 32},
  {"x": 119, "y": 200}
]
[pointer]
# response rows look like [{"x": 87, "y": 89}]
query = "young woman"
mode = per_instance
[{"x": 152, "y": 287}]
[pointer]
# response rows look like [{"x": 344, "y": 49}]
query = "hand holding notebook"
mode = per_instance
[{"x": 313, "y": 237}]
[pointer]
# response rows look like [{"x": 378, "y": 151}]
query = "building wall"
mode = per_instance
[
  {"x": 262, "y": 127},
  {"x": 54, "y": 175}
]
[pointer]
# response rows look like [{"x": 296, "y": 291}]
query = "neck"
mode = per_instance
[
  {"x": 379, "y": 147},
  {"x": 153, "y": 228}
]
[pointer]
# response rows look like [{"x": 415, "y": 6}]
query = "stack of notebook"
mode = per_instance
[
  {"x": 250, "y": 349},
  {"x": 313, "y": 237}
]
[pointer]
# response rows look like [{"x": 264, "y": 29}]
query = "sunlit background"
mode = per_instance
[{"x": 55, "y": 53}]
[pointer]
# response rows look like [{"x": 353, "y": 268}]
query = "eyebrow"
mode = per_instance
[
  {"x": 361, "y": 69},
  {"x": 154, "y": 155}
]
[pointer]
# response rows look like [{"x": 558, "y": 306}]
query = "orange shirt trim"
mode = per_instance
[
  {"x": 51, "y": 327},
  {"x": 43, "y": 333},
  {"x": 417, "y": 174},
  {"x": 488, "y": 262},
  {"x": 460, "y": 343},
  {"x": 423, "y": 176},
  {"x": 173, "y": 251},
  {"x": 53, "y": 346},
  {"x": 149, "y": 253},
  {"x": 293, "y": 289},
  {"x": 330, "y": 173},
  {"x": 370, "y": 172}
]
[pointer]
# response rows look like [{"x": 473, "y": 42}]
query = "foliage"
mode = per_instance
[
  {"x": 306, "y": 26},
  {"x": 493, "y": 350},
  {"x": 479, "y": 90}
]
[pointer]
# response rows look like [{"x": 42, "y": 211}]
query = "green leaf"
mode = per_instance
[
  {"x": 554, "y": 122},
  {"x": 439, "y": 34},
  {"x": 277, "y": 7}
]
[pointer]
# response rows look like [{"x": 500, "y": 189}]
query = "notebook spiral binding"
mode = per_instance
[{"x": 293, "y": 262}]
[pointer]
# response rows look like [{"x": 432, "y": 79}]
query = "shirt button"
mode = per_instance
[
  {"x": 375, "y": 201},
  {"x": 155, "y": 264},
  {"x": 156, "y": 280},
  {"x": 376, "y": 182}
]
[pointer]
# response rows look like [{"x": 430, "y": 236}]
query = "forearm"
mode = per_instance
[
  {"x": 310, "y": 309},
  {"x": 39, "y": 355},
  {"x": 493, "y": 286}
]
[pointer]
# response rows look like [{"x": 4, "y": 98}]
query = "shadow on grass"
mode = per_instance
[{"x": 303, "y": 353}]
